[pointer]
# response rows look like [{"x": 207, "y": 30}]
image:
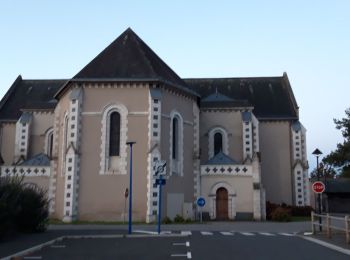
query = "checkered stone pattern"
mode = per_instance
[
  {"x": 226, "y": 170},
  {"x": 22, "y": 138},
  {"x": 26, "y": 171},
  {"x": 196, "y": 161},
  {"x": 247, "y": 139},
  {"x": 72, "y": 160}
]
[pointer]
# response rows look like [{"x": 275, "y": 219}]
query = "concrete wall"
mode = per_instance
[
  {"x": 101, "y": 197},
  {"x": 276, "y": 173},
  {"x": 8, "y": 138},
  {"x": 178, "y": 184},
  {"x": 232, "y": 122}
]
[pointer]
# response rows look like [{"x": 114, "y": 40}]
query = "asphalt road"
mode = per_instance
[{"x": 198, "y": 245}]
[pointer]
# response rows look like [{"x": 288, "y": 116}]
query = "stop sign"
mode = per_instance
[{"x": 318, "y": 187}]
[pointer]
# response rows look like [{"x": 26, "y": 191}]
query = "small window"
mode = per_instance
[
  {"x": 175, "y": 138},
  {"x": 114, "y": 134},
  {"x": 217, "y": 143}
]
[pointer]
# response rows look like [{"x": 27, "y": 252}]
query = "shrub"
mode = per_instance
[
  {"x": 33, "y": 214},
  {"x": 22, "y": 207},
  {"x": 281, "y": 214},
  {"x": 167, "y": 220},
  {"x": 270, "y": 207},
  {"x": 301, "y": 211},
  {"x": 188, "y": 220},
  {"x": 179, "y": 219}
]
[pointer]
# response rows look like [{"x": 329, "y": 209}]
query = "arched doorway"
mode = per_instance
[{"x": 221, "y": 204}]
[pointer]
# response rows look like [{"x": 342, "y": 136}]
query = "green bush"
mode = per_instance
[
  {"x": 34, "y": 213},
  {"x": 281, "y": 214},
  {"x": 301, "y": 211},
  {"x": 179, "y": 219},
  {"x": 167, "y": 220},
  {"x": 22, "y": 207}
]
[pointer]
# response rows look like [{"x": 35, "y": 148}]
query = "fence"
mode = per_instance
[{"x": 329, "y": 224}]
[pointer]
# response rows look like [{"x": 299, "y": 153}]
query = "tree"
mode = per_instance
[{"x": 339, "y": 159}]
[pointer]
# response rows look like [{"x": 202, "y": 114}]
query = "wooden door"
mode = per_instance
[{"x": 221, "y": 204}]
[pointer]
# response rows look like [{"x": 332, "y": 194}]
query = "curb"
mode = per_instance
[
  {"x": 328, "y": 245},
  {"x": 58, "y": 239}
]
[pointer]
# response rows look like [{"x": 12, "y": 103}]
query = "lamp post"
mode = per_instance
[
  {"x": 130, "y": 188},
  {"x": 317, "y": 153}
]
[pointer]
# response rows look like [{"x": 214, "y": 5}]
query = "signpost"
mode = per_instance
[
  {"x": 318, "y": 187},
  {"x": 160, "y": 171},
  {"x": 200, "y": 203}
]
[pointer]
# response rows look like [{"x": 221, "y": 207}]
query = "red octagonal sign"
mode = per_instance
[{"x": 318, "y": 187}]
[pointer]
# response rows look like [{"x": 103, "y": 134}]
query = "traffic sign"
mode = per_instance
[
  {"x": 318, "y": 187},
  {"x": 160, "y": 167},
  {"x": 200, "y": 202},
  {"x": 160, "y": 181}
]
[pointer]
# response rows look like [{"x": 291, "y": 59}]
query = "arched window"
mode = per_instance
[
  {"x": 49, "y": 142},
  {"x": 114, "y": 134},
  {"x": 175, "y": 138},
  {"x": 217, "y": 143}
]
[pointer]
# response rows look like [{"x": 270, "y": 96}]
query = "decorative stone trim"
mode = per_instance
[
  {"x": 255, "y": 131},
  {"x": 47, "y": 144},
  {"x": 26, "y": 171},
  {"x": 231, "y": 200},
  {"x": 54, "y": 162},
  {"x": 72, "y": 158},
  {"x": 105, "y": 159},
  {"x": 247, "y": 131},
  {"x": 299, "y": 186},
  {"x": 224, "y": 134},
  {"x": 22, "y": 136},
  {"x": 176, "y": 166},
  {"x": 196, "y": 156},
  {"x": 227, "y": 170}
]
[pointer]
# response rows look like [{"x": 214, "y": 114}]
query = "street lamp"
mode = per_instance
[
  {"x": 317, "y": 153},
  {"x": 130, "y": 188}
]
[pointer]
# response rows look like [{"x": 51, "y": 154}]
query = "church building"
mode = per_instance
[{"x": 237, "y": 142}]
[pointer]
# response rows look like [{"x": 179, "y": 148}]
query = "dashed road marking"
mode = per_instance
[
  {"x": 286, "y": 234},
  {"x": 186, "y": 233},
  {"x": 58, "y": 246},
  {"x": 188, "y": 255},
  {"x": 226, "y": 233},
  {"x": 206, "y": 233},
  {"x": 267, "y": 234},
  {"x": 247, "y": 234},
  {"x": 182, "y": 244}
]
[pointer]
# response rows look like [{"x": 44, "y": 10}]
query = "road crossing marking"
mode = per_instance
[
  {"x": 188, "y": 255},
  {"x": 267, "y": 234},
  {"x": 182, "y": 244},
  {"x": 286, "y": 234},
  {"x": 247, "y": 234},
  {"x": 58, "y": 246},
  {"x": 186, "y": 233},
  {"x": 206, "y": 233},
  {"x": 226, "y": 233}
]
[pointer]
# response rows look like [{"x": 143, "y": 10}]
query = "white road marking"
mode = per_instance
[
  {"x": 227, "y": 233},
  {"x": 287, "y": 234},
  {"x": 328, "y": 245},
  {"x": 58, "y": 246},
  {"x": 145, "y": 232},
  {"x": 186, "y": 233},
  {"x": 188, "y": 255},
  {"x": 205, "y": 233},
  {"x": 32, "y": 257},
  {"x": 307, "y": 233},
  {"x": 247, "y": 234},
  {"x": 267, "y": 234},
  {"x": 182, "y": 244}
]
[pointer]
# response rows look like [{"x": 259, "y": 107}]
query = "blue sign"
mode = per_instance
[
  {"x": 201, "y": 202},
  {"x": 160, "y": 181}
]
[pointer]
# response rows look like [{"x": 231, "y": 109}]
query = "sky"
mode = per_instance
[{"x": 310, "y": 40}]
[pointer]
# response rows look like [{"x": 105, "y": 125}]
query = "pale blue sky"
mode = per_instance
[{"x": 310, "y": 40}]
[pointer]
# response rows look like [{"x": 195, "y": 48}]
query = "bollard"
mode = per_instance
[
  {"x": 347, "y": 229},
  {"x": 312, "y": 223},
  {"x": 328, "y": 226}
]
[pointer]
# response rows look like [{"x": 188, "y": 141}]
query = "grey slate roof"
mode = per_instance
[
  {"x": 128, "y": 57},
  {"x": 221, "y": 158},
  {"x": 272, "y": 97},
  {"x": 37, "y": 160},
  {"x": 28, "y": 94},
  {"x": 218, "y": 100}
]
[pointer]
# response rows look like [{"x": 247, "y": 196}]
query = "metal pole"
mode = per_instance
[
  {"x": 319, "y": 197},
  {"x": 130, "y": 189},
  {"x": 160, "y": 203}
]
